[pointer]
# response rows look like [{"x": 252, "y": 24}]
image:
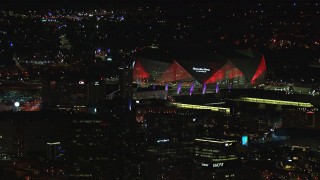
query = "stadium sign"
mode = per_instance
[{"x": 201, "y": 70}]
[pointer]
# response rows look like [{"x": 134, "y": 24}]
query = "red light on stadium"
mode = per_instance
[
  {"x": 174, "y": 73},
  {"x": 139, "y": 72},
  {"x": 242, "y": 70},
  {"x": 229, "y": 69},
  {"x": 261, "y": 69}
]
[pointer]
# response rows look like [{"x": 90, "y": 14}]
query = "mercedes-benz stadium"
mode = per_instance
[{"x": 235, "y": 69}]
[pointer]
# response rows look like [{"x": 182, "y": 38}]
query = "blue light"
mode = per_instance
[
  {"x": 130, "y": 105},
  {"x": 245, "y": 140}
]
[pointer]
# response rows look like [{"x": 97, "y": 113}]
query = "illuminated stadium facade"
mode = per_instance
[{"x": 239, "y": 69}]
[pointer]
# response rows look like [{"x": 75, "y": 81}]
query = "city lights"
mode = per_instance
[
  {"x": 159, "y": 89},
  {"x": 16, "y": 104}
]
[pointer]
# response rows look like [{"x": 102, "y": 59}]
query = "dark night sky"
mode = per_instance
[{"x": 18, "y": 4}]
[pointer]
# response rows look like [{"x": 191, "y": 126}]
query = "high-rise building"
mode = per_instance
[
  {"x": 76, "y": 95},
  {"x": 165, "y": 135},
  {"x": 125, "y": 81},
  {"x": 87, "y": 154},
  {"x": 54, "y": 150},
  {"x": 215, "y": 158},
  {"x": 301, "y": 118},
  {"x": 99, "y": 147}
]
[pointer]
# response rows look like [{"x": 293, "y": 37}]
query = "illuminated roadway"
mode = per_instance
[{"x": 36, "y": 86}]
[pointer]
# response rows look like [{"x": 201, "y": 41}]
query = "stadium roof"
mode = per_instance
[{"x": 203, "y": 65}]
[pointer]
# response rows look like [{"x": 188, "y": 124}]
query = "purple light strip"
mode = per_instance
[
  {"x": 204, "y": 88},
  {"x": 179, "y": 88},
  {"x": 191, "y": 89}
]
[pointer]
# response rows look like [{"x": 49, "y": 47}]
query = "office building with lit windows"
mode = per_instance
[
  {"x": 87, "y": 155},
  {"x": 125, "y": 81},
  {"x": 54, "y": 150},
  {"x": 216, "y": 158},
  {"x": 73, "y": 95}
]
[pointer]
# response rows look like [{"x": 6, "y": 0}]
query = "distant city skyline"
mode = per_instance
[
  {"x": 127, "y": 3},
  {"x": 159, "y": 89}
]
